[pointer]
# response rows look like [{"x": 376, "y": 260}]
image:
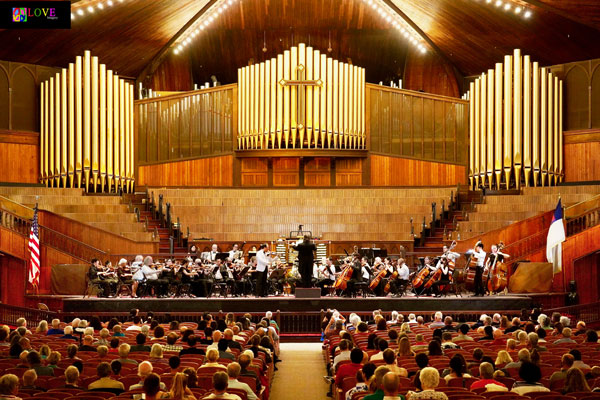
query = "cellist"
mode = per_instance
[
  {"x": 380, "y": 270},
  {"x": 495, "y": 257}
]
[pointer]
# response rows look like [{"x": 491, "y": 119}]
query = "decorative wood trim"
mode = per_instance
[
  {"x": 19, "y": 137},
  {"x": 376, "y": 153},
  {"x": 582, "y": 136},
  {"x": 301, "y": 153},
  {"x": 416, "y": 94},
  {"x": 176, "y": 160}
]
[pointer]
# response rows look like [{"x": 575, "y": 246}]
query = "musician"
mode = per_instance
[
  {"x": 241, "y": 283},
  {"x": 292, "y": 277},
  {"x": 235, "y": 253},
  {"x": 327, "y": 275},
  {"x": 306, "y": 258},
  {"x": 495, "y": 257},
  {"x": 109, "y": 275},
  {"x": 479, "y": 255},
  {"x": 427, "y": 263},
  {"x": 95, "y": 277},
  {"x": 444, "y": 277},
  {"x": 124, "y": 274},
  {"x": 402, "y": 277},
  {"x": 450, "y": 255},
  {"x": 262, "y": 263},
  {"x": 365, "y": 269},
  {"x": 152, "y": 275},
  {"x": 378, "y": 267},
  {"x": 212, "y": 254},
  {"x": 138, "y": 275},
  {"x": 176, "y": 278},
  {"x": 357, "y": 276},
  {"x": 190, "y": 278}
]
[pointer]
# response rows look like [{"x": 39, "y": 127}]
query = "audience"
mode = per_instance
[
  {"x": 530, "y": 375},
  {"x": 220, "y": 382},
  {"x": 105, "y": 382},
  {"x": 430, "y": 379}
]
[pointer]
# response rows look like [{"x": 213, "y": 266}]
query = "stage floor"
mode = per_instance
[{"x": 291, "y": 304}]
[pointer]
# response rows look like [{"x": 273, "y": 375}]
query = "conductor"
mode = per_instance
[{"x": 306, "y": 258}]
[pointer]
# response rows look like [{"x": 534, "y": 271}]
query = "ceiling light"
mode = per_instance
[
  {"x": 109, "y": 2},
  {"x": 100, "y": 6},
  {"x": 518, "y": 10},
  {"x": 423, "y": 49},
  {"x": 507, "y": 7},
  {"x": 527, "y": 14},
  {"x": 80, "y": 11},
  {"x": 176, "y": 51},
  {"x": 90, "y": 9},
  {"x": 197, "y": 31},
  {"x": 403, "y": 30},
  {"x": 225, "y": 6},
  {"x": 230, "y": 2},
  {"x": 388, "y": 18},
  {"x": 488, "y": 1},
  {"x": 498, "y": 3},
  {"x": 72, "y": 16}
]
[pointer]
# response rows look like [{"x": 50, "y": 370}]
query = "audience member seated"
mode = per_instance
[
  {"x": 9, "y": 387},
  {"x": 35, "y": 363},
  {"x": 192, "y": 349},
  {"x": 171, "y": 343},
  {"x": 68, "y": 333},
  {"x": 530, "y": 375},
  {"x": 144, "y": 370},
  {"x": 382, "y": 344},
  {"x": 140, "y": 344},
  {"x": 350, "y": 369},
  {"x": 124, "y": 355},
  {"x": 55, "y": 329},
  {"x": 430, "y": 379},
  {"x": 575, "y": 382},
  {"x": 29, "y": 378},
  {"x": 152, "y": 387},
  {"x": 179, "y": 388},
  {"x": 458, "y": 368},
  {"x": 71, "y": 377},
  {"x": 377, "y": 384},
  {"x": 486, "y": 374},
  {"x": 566, "y": 363},
  {"x": 233, "y": 370},
  {"x": 390, "y": 361},
  {"x": 503, "y": 358},
  {"x": 404, "y": 347},
  {"x": 533, "y": 339},
  {"x": 104, "y": 339},
  {"x": 363, "y": 376},
  {"x": 344, "y": 354},
  {"x": 116, "y": 367},
  {"x": 524, "y": 356},
  {"x": 220, "y": 382},
  {"x": 212, "y": 356},
  {"x": 566, "y": 337},
  {"x": 222, "y": 346},
  {"x": 390, "y": 387},
  {"x": 87, "y": 344},
  {"x": 447, "y": 342},
  {"x": 578, "y": 363},
  {"x": 105, "y": 382}
]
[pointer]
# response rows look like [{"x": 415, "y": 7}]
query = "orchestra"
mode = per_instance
[{"x": 261, "y": 273}]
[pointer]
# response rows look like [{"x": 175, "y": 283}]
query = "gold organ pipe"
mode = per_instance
[
  {"x": 117, "y": 131},
  {"x": 261, "y": 106},
  {"x": 293, "y": 96},
  {"x": 550, "y": 105},
  {"x": 490, "y": 128},
  {"x": 247, "y": 107},
  {"x": 498, "y": 107},
  {"x": 267, "y": 104},
  {"x": 325, "y": 113},
  {"x": 335, "y": 104},
  {"x": 346, "y": 82},
  {"x": 44, "y": 132},
  {"x": 535, "y": 123},
  {"x": 102, "y": 116},
  {"x": 87, "y": 135},
  {"x": 527, "y": 119},
  {"x": 476, "y": 149},
  {"x": 508, "y": 92},
  {"x": 286, "y": 98},
  {"x": 51, "y": 173},
  {"x": 273, "y": 113},
  {"x": 255, "y": 106},
  {"x": 71, "y": 170},
  {"x": 122, "y": 133},
  {"x": 301, "y": 94},
  {"x": 280, "y": 102},
  {"x": 517, "y": 117},
  {"x": 125, "y": 149},
  {"x": 471, "y": 135},
  {"x": 64, "y": 158},
  {"x": 483, "y": 129},
  {"x": 57, "y": 129},
  {"x": 78, "y": 120},
  {"x": 310, "y": 66},
  {"x": 109, "y": 129},
  {"x": 556, "y": 131},
  {"x": 560, "y": 133},
  {"x": 131, "y": 135},
  {"x": 251, "y": 105},
  {"x": 94, "y": 129},
  {"x": 317, "y": 74},
  {"x": 363, "y": 108},
  {"x": 544, "y": 126},
  {"x": 240, "y": 93}
]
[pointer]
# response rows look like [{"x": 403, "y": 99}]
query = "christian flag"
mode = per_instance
[
  {"x": 556, "y": 235},
  {"x": 34, "y": 248}
]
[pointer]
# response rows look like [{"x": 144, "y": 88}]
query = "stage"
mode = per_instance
[{"x": 290, "y": 304}]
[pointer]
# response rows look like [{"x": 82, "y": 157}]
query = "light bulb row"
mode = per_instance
[
  {"x": 507, "y": 6},
  {"x": 213, "y": 13},
  {"x": 78, "y": 12},
  {"x": 399, "y": 23}
]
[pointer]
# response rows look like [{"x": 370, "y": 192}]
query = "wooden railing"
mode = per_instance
[
  {"x": 9, "y": 315},
  {"x": 582, "y": 216},
  {"x": 588, "y": 313}
]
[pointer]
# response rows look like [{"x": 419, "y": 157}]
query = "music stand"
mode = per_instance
[
  {"x": 221, "y": 256},
  {"x": 278, "y": 273}
]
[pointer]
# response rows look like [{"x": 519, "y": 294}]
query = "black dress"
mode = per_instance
[{"x": 306, "y": 260}]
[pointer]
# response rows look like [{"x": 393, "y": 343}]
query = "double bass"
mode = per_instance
[
  {"x": 498, "y": 273},
  {"x": 470, "y": 270}
]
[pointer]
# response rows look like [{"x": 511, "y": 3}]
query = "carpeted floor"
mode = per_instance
[{"x": 300, "y": 375}]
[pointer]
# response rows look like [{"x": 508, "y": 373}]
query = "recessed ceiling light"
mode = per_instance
[
  {"x": 176, "y": 51},
  {"x": 527, "y": 14},
  {"x": 498, "y": 3},
  {"x": 507, "y": 6},
  {"x": 80, "y": 11},
  {"x": 100, "y": 6},
  {"x": 518, "y": 10},
  {"x": 90, "y": 9},
  {"x": 109, "y": 2}
]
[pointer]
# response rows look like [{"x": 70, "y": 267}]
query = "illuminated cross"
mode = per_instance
[{"x": 301, "y": 83}]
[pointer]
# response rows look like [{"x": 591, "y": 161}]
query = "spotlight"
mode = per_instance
[
  {"x": 518, "y": 10},
  {"x": 109, "y": 2},
  {"x": 498, "y": 3},
  {"x": 423, "y": 50},
  {"x": 507, "y": 7},
  {"x": 527, "y": 14},
  {"x": 90, "y": 9},
  {"x": 80, "y": 11},
  {"x": 176, "y": 51},
  {"x": 100, "y": 6}
]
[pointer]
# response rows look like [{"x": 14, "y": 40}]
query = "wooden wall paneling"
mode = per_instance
[
  {"x": 587, "y": 276},
  {"x": 173, "y": 74},
  {"x": 13, "y": 244},
  {"x": 396, "y": 171},
  {"x": 286, "y": 171},
  {"x": 429, "y": 73},
  {"x": 254, "y": 171},
  {"x": 19, "y": 158},
  {"x": 581, "y": 161},
  {"x": 317, "y": 171},
  {"x": 573, "y": 248},
  {"x": 348, "y": 172},
  {"x": 51, "y": 256},
  {"x": 209, "y": 171},
  {"x": 4, "y": 98},
  {"x": 12, "y": 276}
]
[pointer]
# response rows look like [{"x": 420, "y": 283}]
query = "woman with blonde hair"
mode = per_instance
[
  {"x": 575, "y": 382},
  {"x": 404, "y": 347},
  {"x": 53, "y": 359},
  {"x": 156, "y": 351},
  {"x": 229, "y": 319},
  {"x": 212, "y": 356},
  {"x": 179, "y": 389},
  {"x": 405, "y": 328},
  {"x": 42, "y": 327},
  {"x": 45, "y": 351},
  {"x": 9, "y": 387},
  {"x": 502, "y": 359}
]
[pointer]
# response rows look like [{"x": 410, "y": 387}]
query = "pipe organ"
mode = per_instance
[
  {"x": 86, "y": 135},
  {"x": 301, "y": 99},
  {"x": 515, "y": 127}
]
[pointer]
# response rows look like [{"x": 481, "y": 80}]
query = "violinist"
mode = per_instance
[
  {"x": 327, "y": 274},
  {"x": 241, "y": 284},
  {"x": 365, "y": 269},
  {"x": 479, "y": 255},
  {"x": 109, "y": 276},
  {"x": 190, "y": 278}
]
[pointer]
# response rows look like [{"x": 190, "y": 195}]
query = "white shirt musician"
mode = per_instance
[
  {"x": 213, "y": 253},
  {"x": 365, "y": 269},
  {"x": 479, "y": 256},
  {"x": 328, "y": 270},
  {"x": 450, "y": 255},
  {"x": 235, "y": 253},
  {"x": 403, "y": 271},
  {"x": 262, "y": 260},
  {"x": 496, "y": 254}
]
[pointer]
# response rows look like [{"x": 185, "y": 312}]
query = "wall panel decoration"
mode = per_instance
[
  {"x": 348, "y": 171},
  {"x": 317, "y": 172},
  {"x": 396, "y": 171},
  {"x": 286, "y": 172},
  {"x": 208, "y": 171}
]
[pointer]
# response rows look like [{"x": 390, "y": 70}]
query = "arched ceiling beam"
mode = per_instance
[{"x": 163, "y": 52}]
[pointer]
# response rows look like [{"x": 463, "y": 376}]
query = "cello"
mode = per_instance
[
  {"x": 342, "y": 281},
  {"x": 419, "y": 279},
  {"x": 438, "y": 272},
  {"x": 380, "y": 275}
]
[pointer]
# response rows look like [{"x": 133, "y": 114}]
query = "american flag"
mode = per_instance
[{"x": 34, "y": 247}]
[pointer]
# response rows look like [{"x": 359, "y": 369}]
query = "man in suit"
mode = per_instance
[{"x": 306, "y": 258}]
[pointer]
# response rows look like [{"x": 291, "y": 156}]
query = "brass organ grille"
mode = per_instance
[
  {"x": 301, "y": 99},
  {"x": 515, "y": 125},
  {"x": 86, "y": 136}
]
